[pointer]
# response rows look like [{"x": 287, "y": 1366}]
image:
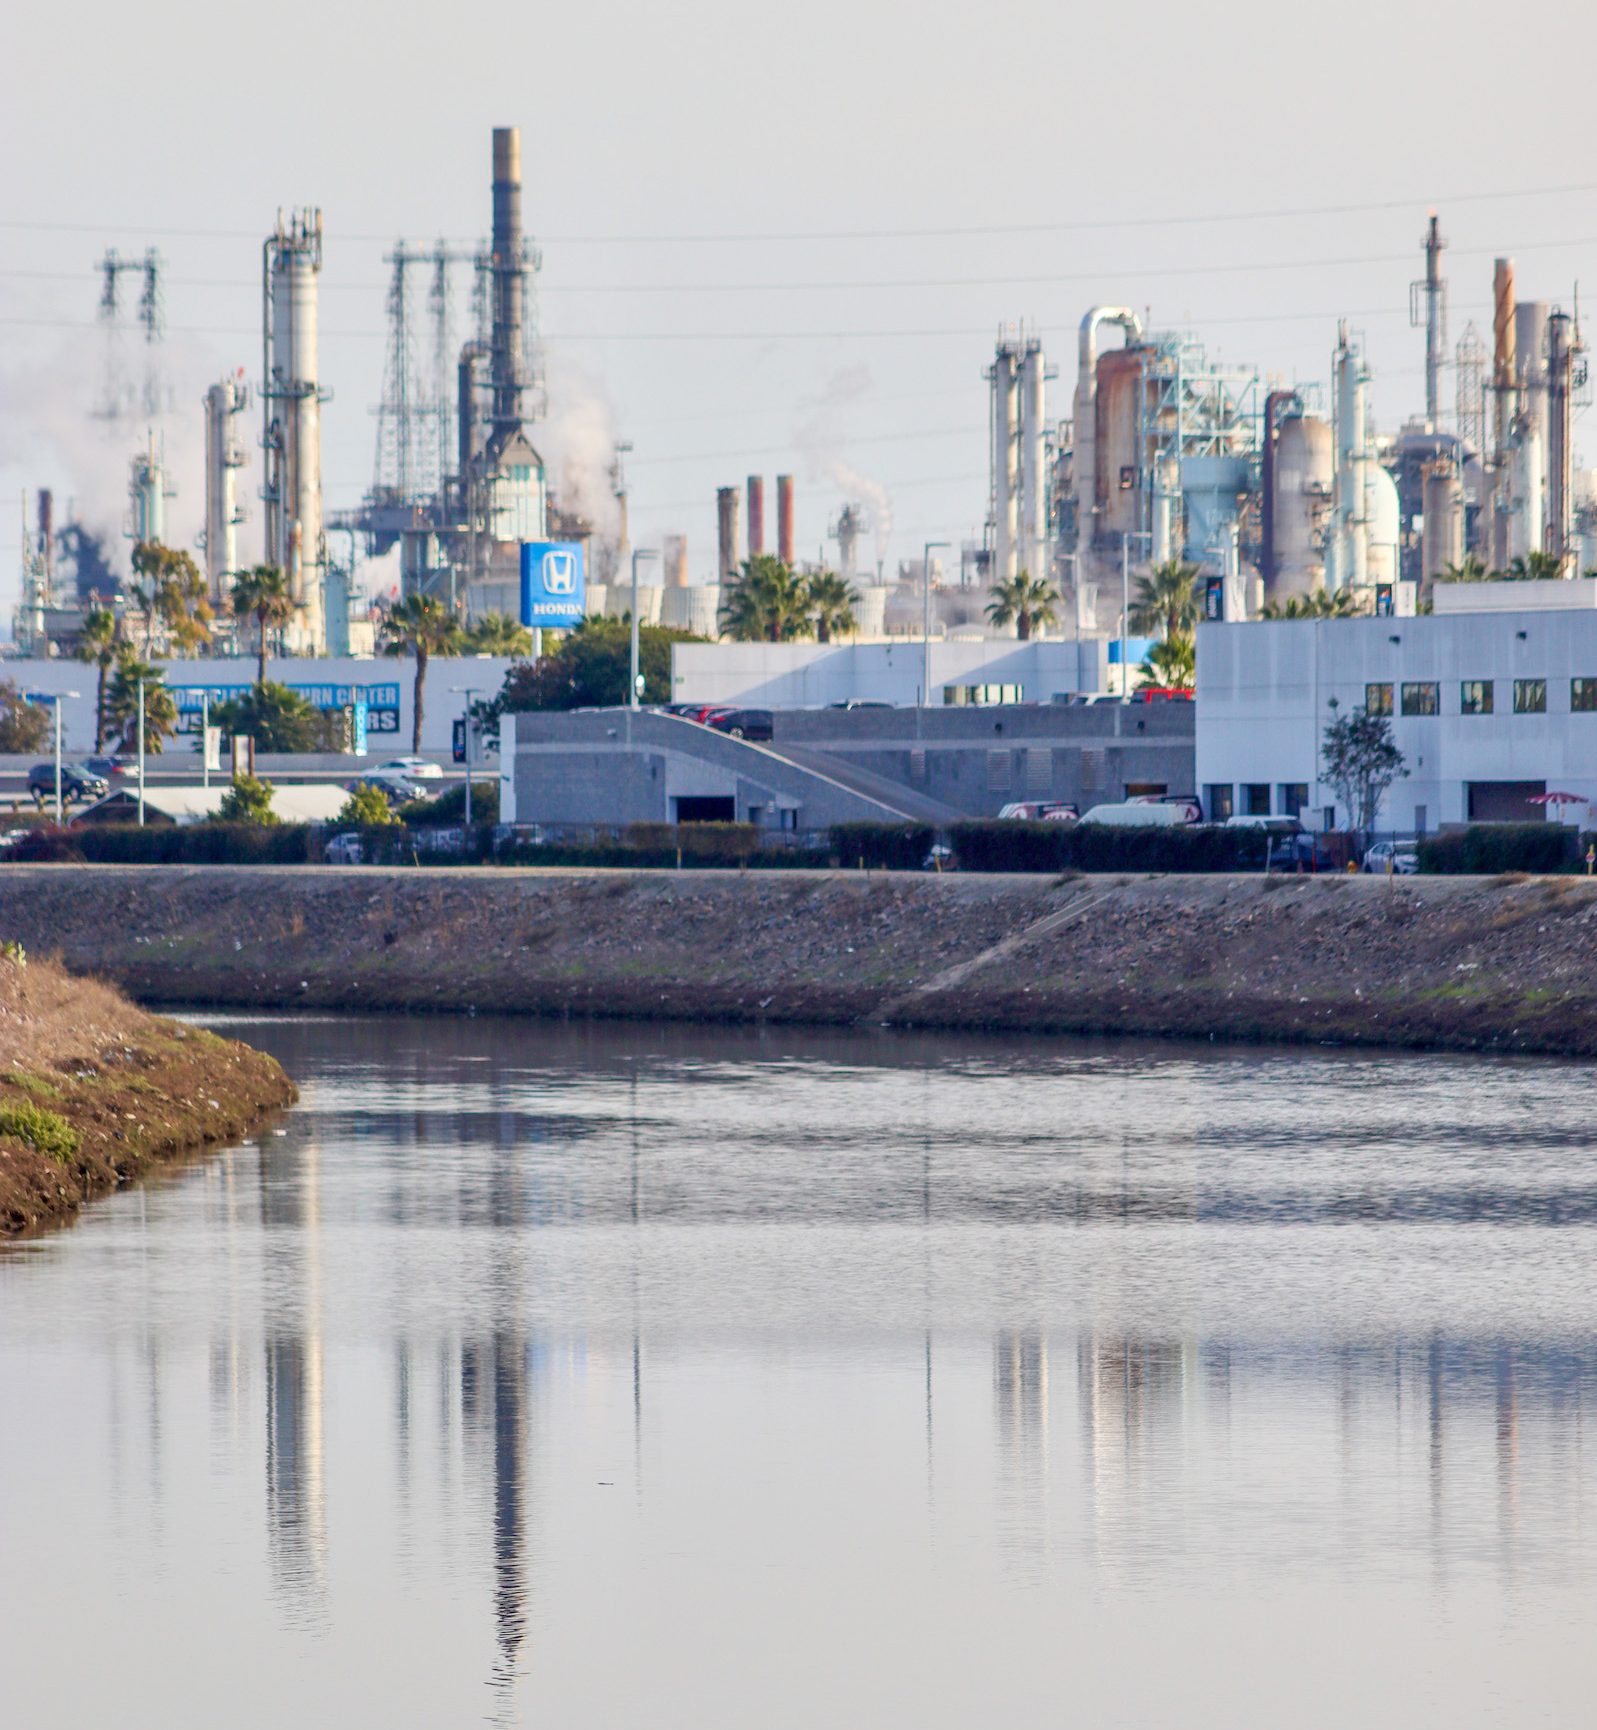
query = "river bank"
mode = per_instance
[
  {"x": 95, "y": 1091},
  {"x": 1441, "y": 963}
]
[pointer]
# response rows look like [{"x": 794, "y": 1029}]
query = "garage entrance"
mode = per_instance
[
  {"x": 705, "y": 810},
  {"x": 1505, "y": 801}
]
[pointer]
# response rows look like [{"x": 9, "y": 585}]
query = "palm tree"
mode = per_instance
[
  {"x": 769, "y": 603},
  {"x": 419, "y": 625},
  {"x": 1022, "y": 603},
  {"x": 262, "y": 594},
  {"x": 1172, "y": 663},
  {"x": 1471, "y": 569},
  {"x": 831, "y": 604},
  {"x": 100, "y": 644},
  {"x": 498, "y": 634},
  {"x": 122, "y": 704},
  {"x": 1535, "y": 568},
  {"x": 1317, "y": 604},
  {"x": 1167, "y": 600}
]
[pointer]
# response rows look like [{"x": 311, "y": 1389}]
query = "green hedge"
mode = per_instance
[
  {"x": 197, "y": 844},
  {"x": 448, "y": 810},
  {"x": 1485, "y": 849},
  {"x": 1012, "y": 846},
  {"x": 882, "y": 846}
]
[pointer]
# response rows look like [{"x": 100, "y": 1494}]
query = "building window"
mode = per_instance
[
  {"x": 917, "y": 763},
  {"x": 1256, "y": 799},
  {"x": 1422, "y": 699},
  {"x": 1377, "y": 699},
  {"x": 1475, "y": 697},
  {"x": 1530, "y": 696},
  {"x": 1583, "y": 696},
  {"x": 1292, "y": 796},
  {"x": 1217, "y": 801}
]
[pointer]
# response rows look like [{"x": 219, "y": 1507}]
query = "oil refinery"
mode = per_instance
[{"x": 1272, "y": 488}]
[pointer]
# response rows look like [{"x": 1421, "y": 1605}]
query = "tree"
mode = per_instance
[
  {"x": 24, "y": 727},
  {"x": 1166, "y": 600},
  {"x": 1317, "y": 604},
  {"x": 248, "y": 801},
  {"x": 422, "y": 626},
  {"x": 1471, "y": 569},
  {"x": 279, "y": 719},
  {"x": 368, "y": 808},
  {"x": 1172, "y": 664},
  {"x": 100, "y": 644},
  {"x": 588, "y": 669},
  {"x": 262, "y": 594},
  {"x": 171, "y": 589},
  {"x": 1361, "y": 764},
  {"x": 1023, "y": 603},
  {"x": 122, "y": 705},
  {"x": 1535, "y": 568},
  {"x": 769, "y": 603},
  {"x": 831, "y": 602},
  {"x": 498, "y": 634}
]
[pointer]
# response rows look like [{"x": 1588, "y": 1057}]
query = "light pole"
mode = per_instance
[
  {"x": 468, "y": 692},
  {"x": 926, "y": 617},
  {"x": 633, "y": 691},
  {"x": 56, "y": 698},
  {"x": 1127, "y": 536},
  {"x": 141, "y": 753}
]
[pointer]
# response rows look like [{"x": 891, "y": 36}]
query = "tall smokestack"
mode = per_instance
[
  {"x": 509, "y": 282},
  {"x": 726, "y": 510},
  {"x": 756, "y": 514},
  {"x": 784, "y": 518},
  {"x": 1504, "y": 363},
  {"x": 674, "y": 558}
]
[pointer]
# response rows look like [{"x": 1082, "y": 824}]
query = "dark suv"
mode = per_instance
[
  {"x": 78, "y": 781},
  {"x": 754, "y": 724}
]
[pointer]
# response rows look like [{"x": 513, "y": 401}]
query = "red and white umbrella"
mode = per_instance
[{"x": 1557, "y": 799}]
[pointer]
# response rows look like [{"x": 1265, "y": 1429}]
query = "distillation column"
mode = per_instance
[
  {"x": 1006, "y": 499},
  {"x": 1034, "y": 462},
  {"x": 224, "y": 457}
]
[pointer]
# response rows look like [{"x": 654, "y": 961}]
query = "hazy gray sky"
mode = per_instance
[{"x": 776, "y": 238}]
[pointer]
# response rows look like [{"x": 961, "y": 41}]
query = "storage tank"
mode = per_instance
[
  {"x": 1385, "y": 526},
  {"x": 1527, "y": 470},
  {"x": 1119, "y": 441},
  {"x": 870, "y": 611},
  {"x": 1305, "y": 464},
  {"x": 1442, "y": 538}
]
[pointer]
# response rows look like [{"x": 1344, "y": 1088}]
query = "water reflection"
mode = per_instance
[{"x": 981, "y": 1327}]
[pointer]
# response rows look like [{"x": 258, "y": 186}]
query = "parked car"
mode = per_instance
[
  {"x": 752, "y": 724},
  {"x": 410, "y": 769},
  {"x": 1401, "y": 858},
  {"x": 1039, "y": 811},
  {"x": 78, "y": 781},
  {"x": 1161, "y": 694},
  {"x": 395, "y": 788},
  {"x": 1130, "y": 814},
  {"x": 1189, "y": 802},
  {"x": 862, "y": 703},
  {"x": 344, "y": 850},
  {"x": 110, "y": 767}
]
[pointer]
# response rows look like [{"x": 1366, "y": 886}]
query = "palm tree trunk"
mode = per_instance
[
  {"x": 260, "y": 652},
  {"x": 99, "y": 710},
  {"x": 421, "y": 681},
  {"x": 1023, "y": 626},
  {"x": 822, "y": 634}
]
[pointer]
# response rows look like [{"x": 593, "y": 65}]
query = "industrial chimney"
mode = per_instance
[
  {"x": 726, "y": 510},
  {"x": 756, "y": 515},
  {"x": 784, "y": 518},
  {"x": 508, "y": 273}
]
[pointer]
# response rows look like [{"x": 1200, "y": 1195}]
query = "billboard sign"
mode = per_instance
[{"x": 553, "y": 583}]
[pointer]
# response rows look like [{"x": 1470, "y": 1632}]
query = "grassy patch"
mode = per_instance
[
  {"x": 53, "y": 1136},
  {"x": 30, "y": 1083}
]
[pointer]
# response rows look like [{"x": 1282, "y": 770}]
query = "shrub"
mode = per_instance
[
  {"x": 247, "y": 801},
  {"x": 212, "y": 843},
  {"x": 883, "y": 846},
  {"x": 450, "y": 806},
  {"x": 708, "y": 842},
  {"x": 53, "y": 1136},
  {"x": 367, "y": 808},
  {"x": 1011, "y": 846},
  {"x": 46, "y": 844},
  {"x": 1488, "y": 849}
]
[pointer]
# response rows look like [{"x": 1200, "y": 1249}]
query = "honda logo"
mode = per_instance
[{"x": 559, "y": 571}]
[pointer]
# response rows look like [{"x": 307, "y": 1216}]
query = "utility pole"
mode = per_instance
[
  {"x": 141, "y": 753},
  {"x": 926, "y": 617},
  {"x": 1428, "y": 307},
  {"x": 469, "y": 692}
]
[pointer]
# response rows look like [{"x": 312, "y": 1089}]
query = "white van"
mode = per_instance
[{"x": 1131, "y": 815}]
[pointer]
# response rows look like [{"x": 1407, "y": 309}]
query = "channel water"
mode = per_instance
[{"x": 625, "y": 1375}]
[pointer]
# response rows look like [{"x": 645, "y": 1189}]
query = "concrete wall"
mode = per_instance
[
  {"x": 810, "y": 675},
  {"x": 608, "y": 766},
  {"x": 1264, "y": 693}
]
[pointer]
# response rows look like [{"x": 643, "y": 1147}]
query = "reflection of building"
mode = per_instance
[{"x": 1020, "y": 1409}]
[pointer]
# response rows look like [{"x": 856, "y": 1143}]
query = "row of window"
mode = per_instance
[
  {"x": 1221, "y": 800},
  {"x": 1477, "y": 697}
]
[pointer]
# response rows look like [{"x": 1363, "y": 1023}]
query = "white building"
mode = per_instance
[{"x": 1491, "y": 705}]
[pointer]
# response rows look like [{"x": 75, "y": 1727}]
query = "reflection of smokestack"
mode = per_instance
[
  {"x": 784, "y": 518},
  {"x": 508, "y": 281},
  {"x": 726, "y": 507},
  {"x": 756, "y": 514},
  {"x": 674, "y": 559}
]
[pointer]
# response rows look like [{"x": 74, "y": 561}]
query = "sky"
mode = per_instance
[{"x": 774, "y": 239}]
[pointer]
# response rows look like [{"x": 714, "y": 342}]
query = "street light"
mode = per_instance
[
  {"x": 926, "y": 617},
  {"x": 56, "y": 698},
  {"x": 468, "y": 692},
  {"x": 633, "y": 689},
  {"x": 141, "y": 753}
]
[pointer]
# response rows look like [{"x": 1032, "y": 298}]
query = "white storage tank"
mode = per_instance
[{"x": 1305, "y": 463}]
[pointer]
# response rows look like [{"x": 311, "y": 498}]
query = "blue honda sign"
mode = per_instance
[{"x": 552, "y": 583}]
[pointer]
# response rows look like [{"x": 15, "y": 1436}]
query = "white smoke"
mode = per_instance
[
  {"x": 577, "y": 440},
  {"x": 820, "y": 436}
]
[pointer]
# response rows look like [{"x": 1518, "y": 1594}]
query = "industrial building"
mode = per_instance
[{"x": 1492, "y": 701}]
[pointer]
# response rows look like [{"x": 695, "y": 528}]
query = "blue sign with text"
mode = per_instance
[{"x": 552, "y": 583}]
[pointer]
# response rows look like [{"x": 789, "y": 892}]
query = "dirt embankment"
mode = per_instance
[
  {"x": 93, "y": 1091},
  {"x": 1462, "y": 963}
]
